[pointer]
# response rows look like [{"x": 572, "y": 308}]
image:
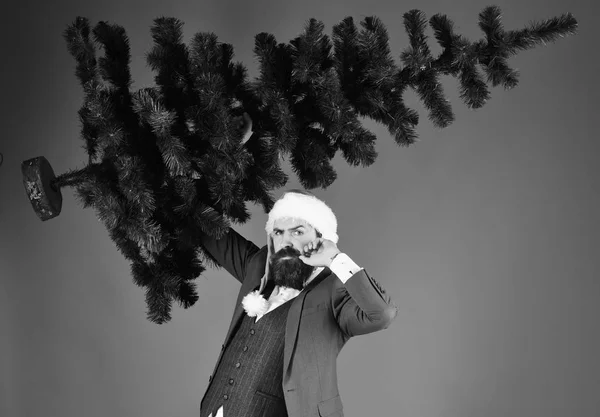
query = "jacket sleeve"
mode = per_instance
[
  {"x": 362, "y": 306},
  {"x": 232, "y": 251}
]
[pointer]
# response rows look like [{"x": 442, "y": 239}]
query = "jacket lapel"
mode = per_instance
[
  {"x": 291, "y": 329},
  {"x": 239, "y": 309},
  {"x": 293, "y": 320},
  {"x": 237, "y": 315}
]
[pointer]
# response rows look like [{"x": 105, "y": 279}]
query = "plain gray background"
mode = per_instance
[{"x": 485, "y": 233}]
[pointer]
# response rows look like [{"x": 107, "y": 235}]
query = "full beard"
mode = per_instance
[{"x": 289, "y": 272}]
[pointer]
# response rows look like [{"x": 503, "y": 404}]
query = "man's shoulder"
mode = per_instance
[
  {"x": 259, "y": 259},
  {"x": 325, "y": 285}
]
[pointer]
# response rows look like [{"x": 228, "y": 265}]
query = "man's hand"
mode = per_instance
[
  {"x": 245, "y": 125},
  {"x": 319, "y": 253}
]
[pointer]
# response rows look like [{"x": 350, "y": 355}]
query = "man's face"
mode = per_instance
[
  {"x": 289, "y": 237},
  {"x": 292, "y": 232}
]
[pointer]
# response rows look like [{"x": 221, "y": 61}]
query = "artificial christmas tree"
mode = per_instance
[{"x": 185, "y": 156}]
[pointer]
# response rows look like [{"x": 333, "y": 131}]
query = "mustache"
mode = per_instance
[{"x": 287, "y": 252}]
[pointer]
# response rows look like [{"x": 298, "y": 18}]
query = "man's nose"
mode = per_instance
[{"x": 286, "y": 242}]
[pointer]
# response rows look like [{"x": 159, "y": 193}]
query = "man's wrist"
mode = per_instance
[{"x": 333, "y": 257}]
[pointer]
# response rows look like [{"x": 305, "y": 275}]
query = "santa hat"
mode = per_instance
[{"x": 308, "y": 208}]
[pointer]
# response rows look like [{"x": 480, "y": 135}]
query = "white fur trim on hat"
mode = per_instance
[{"x": 308, "y": 208}]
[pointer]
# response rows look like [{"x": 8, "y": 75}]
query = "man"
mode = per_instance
[{"x": 301, "y": 300}]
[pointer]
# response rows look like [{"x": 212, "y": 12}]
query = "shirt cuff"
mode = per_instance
[{"x": 344, "y": 267}]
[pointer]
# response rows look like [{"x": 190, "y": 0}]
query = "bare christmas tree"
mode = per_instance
[{"x": 187, "y": 155}]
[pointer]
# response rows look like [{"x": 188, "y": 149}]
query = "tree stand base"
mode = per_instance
[{"x": 37, "y": 177}]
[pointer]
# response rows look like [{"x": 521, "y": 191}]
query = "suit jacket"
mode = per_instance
[{"x": 320, "y": 321}]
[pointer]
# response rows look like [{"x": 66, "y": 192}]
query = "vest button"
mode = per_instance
[
  {"x": 252, "y": 331},
  {"x": 231, "y": 381},
  {"x": 225, "y": 396},
  {"x": 245, "y": 348},
  {"x": 237, "y": 365}
]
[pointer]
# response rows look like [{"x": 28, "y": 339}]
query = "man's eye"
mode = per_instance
[{"x": 299, "y": 232}]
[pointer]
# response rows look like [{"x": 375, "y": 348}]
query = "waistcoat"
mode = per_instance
[{"x": 248, "y": 381}]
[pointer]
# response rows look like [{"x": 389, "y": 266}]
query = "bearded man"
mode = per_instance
[{"x": 301, "y": 300}]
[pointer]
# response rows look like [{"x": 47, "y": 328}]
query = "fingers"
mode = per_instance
[
  {"x": 246, "y": 126},
  {"x": 317, "y": 245},
  {"x": 306, "y": 250},
  {"x": 311, "y": 247},
  {"x": 247, "y": 120}
]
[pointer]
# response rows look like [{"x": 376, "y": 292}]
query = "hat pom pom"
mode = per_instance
[{"x": 254, "y": 303}]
